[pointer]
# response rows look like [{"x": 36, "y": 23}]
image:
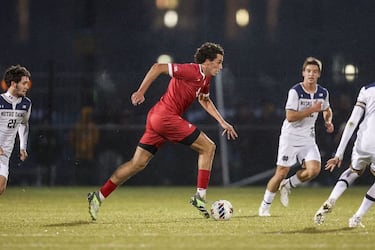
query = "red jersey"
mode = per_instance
[{"x": 187, "y": 82}]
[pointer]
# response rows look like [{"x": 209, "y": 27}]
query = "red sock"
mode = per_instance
[
  {"x": 108, "y": 188},
  {"x": 203, "y": 178}
]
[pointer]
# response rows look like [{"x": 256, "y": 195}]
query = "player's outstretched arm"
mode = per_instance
[
  {"x": 209, "y": 106},
  {"x": 156, "y": 69}
]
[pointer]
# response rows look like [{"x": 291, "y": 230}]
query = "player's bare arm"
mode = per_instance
[
  {"x": 209, "y": 106},
  {"x": 327, "y": 115},
  {"x": 156, "y": 69},
  {"x": 292, "y": 115}
]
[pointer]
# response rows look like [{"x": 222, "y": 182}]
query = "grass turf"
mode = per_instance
[{"x": 162, "y": 218}]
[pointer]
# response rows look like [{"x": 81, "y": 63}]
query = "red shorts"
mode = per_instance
[{"x": 161, "y": 128}]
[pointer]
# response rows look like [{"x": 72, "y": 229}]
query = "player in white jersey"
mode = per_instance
[
  {"x": 15, "y": 109},
  {"x": 363, "y": 155},
  {"x": 297, "y": 138}
]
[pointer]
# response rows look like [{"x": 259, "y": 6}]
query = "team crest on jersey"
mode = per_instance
[{"x": 285, "y": 158}]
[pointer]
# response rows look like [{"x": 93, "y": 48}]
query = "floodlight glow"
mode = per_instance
[
  {"x": 350, "y": 72},
  {"x": 242, "y": 17},
  {"x": 164, "y": 58},
  {"x": 171, "y": 18}
]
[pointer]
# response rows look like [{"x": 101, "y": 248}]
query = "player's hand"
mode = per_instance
[
  {"x": 1, "y": 151},
  {"x": 230, "y": 132},
  {"x": 137, "y": 98},
  {"x": 329, "y": 127},
  {"x": 332, "y": 163},
  {"x": 23, "y": 155},
  {"x": 317, "y": 106}
]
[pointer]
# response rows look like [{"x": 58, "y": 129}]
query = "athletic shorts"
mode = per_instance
[
  {"x": 361, "y": 159},
  {"x": 161, "y": 128},
  {"x": 288, "y": 155},
  {"x": 4, "y": 166}
]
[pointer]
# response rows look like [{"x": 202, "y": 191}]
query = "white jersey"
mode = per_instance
[
  {"x": 14, "y": 116},
  {"x": 302, "y": 132},
  {"x": 366, "y": 132},
  {"x": 363, "y": 152}
]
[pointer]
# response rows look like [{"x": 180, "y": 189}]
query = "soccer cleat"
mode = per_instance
[
  {"x": 199, "y": 203},
  {"x": 323, "y": 210},
  {"x": 355, "y": 221},
  {"x": 284, "y": 193},
  {"x": 264, "y": 211},
  {"x": 94, "y": 204}
]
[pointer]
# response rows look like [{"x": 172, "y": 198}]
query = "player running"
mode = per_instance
[
  {"x": 15, "y": 110},
  {"x": 363, "y": 155},
  {"x": 165, "y": 123},
  {"x": 297, "y": 140}
]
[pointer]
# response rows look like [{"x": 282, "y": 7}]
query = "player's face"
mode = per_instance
[
  {"x": 214, "y": 67},
  {"x": 311, "y": 73},
  {"x": 22, "y": 86}
]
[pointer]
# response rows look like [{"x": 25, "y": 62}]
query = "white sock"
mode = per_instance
[
  {"x": 293, "y": 182},
  {"x": 202, "y": 193},
  {"x": 367, "y": 202},
  {"x": 101, "y": 196},
  {"x": 267, "y": 198},
  {"x": 344, "y": 181}
]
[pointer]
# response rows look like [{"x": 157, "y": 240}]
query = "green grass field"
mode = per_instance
[{"x": 162, "y": 218}]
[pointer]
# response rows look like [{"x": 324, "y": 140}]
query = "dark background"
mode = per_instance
[{"x": 95, "y": 53}]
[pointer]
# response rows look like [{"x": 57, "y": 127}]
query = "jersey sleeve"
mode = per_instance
[
  {"x": 23, "y": 130},
  {"x": 186, "y": 71},
  {"x": 326, "y": 103},
  {"x": 361, "y": 99},
  {"x": 292, "y": 101},
  {"x": 350, "y": 127}
]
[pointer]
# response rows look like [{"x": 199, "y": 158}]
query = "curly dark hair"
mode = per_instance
[
  {"x": 15, "y": 73},
  {"x": 208, "y": 51}
]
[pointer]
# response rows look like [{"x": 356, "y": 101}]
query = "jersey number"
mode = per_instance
[{"x": 12, "y": 123}]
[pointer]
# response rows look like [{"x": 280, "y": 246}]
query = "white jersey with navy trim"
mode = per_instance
[
  {"x": 302, "y": 132},
  {"x": 366, "y": 131},
  {"x": 14, "y": 116}
]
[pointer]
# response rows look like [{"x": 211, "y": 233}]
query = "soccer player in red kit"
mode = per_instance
[{"x": 165, "y": 123}]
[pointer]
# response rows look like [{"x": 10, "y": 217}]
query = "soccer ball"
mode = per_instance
[{"x": 221, "y": 210}]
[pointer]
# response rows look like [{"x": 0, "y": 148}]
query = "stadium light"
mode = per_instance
[
  {"x": 350, "y": 71},
  {"x": 242, "y": 17},
  {"x": 170, "y": 18},
  {"x": 164, "y": 58}
]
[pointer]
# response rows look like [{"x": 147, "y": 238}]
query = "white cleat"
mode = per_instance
[
  {"x": 264, "y": 211},
  {"x": 355, "y": 221},
  {"x": 284, "y": 193},
  {"x": 327, "y": 207}
]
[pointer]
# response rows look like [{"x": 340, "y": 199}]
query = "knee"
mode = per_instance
[
  {"x": 280, "y": 176},
  {"x": 312, "y": 172},
  {"x": 281, "y": 173},
  {"x": 139, "y": 166},
  {"x": 211, "y": 148}
]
